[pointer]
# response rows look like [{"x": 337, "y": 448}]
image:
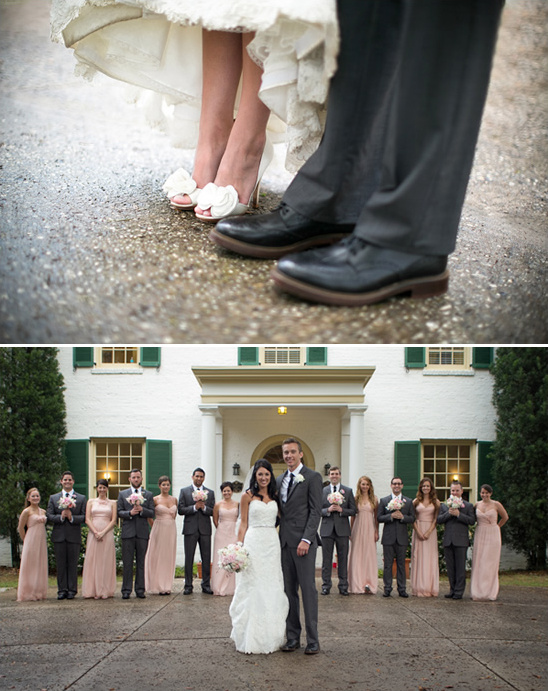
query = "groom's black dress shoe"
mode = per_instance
[
  {"x": 207, "y": 590},
  {"x": 125, "y": 596},
  {"x": 269, "y": 236},
  {"x": 61, "y": 596},
  {"x": 449, "y": 596},
  {"x": 325, "y": 591},
  {"x": 404, "y": 594},
  {"x": 386, "y": 593},
  {"x": 291, "y": 645},
  {"x": 353, "y": 272},
  {"x": 312, "y": 649},
  {"x": 187, "y": 590}
]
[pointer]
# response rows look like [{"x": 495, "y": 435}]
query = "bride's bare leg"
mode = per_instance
[
  {"x": 221, "y": 69},
  {"x": 240, "y": 163}
]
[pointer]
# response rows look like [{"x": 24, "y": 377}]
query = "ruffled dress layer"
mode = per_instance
[
  {"x": 223, "y": 582},
  {"x": 156, "y": 45},
  {"x": 33, "y": 572}
]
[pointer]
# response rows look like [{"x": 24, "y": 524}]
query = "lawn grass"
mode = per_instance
[{"x": 523, "y": 579}]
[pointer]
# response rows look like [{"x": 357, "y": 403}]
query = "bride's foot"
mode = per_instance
[{"x": 237, "y": 182}]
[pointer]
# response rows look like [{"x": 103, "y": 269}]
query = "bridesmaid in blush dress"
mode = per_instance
[
  {"x": 425, "y": 576},
  {"x": 363, "y": 572},
  {"x": 99, "y": 574},
  {"x": 484, "y": 581},
  {"x": 162, "y": 545},
  {"x": 33, "y": 572},
  {"x": 225, "y": 515}
]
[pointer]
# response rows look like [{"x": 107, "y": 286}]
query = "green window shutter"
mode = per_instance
[
  {"x": 407, "y": 465},
  {"x": 77, "y": 455},
  {"x": 482, "y": 358},
  {"x": 82, "y": 357},
  {"x": 415, "y": 358},
  {"x": 316, "y": 356},
  {"x": 248, "y": 356},
  {"x": 150, "y": 357},
  {"x": 158, "y": 462},
  {"x": 485, "y": 465}
]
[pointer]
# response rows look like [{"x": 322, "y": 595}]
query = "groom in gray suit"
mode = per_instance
[
  {"x": 456, "y": 541},
  {"x": 135, "y": 533},
  {"x": 300, "y": 491},
  {"x": 394, "y": 535}
]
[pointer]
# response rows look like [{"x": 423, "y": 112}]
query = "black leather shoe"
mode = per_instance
[
  {"x": 70, "y": 596},
  {"x": 353, "y": 272},
  {"x": 61, "y": 596},
  {"x": 343, "y": 592},
  {"x": 141, "y": 595},
  {"x": 207, "y": 590},
  {"x": 386, "y": 593},
  {"x": 449, "y": 596},
  {"x": 269, "y": 236},
  {"x": 325, "y": 591},
  {"x": 187, "y": 590},
  {"x": 125, "y": 596},
  {"x": 312, "y": 649},
  {"x": 457, "y": 597},
  {"x": 404, "y": 594},
  {"x": 290, "y": 645}
]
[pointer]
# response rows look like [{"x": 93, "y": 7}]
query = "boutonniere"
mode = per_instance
[{"x": 299, "y": 478}]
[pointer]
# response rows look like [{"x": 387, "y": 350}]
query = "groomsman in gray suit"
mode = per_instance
[
  {"x": 197, "y": 529},
  {"x": 135, "y": 533},
  {"x": 394, "y": 535},
  {"x": 67, "y": 535},
  {"x": 300, "y": 491},
  {"x": 335, "y": 530},
  {"x": 456, "y": 540}
]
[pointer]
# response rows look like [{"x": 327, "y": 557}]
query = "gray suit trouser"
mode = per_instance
[
  {"x": 66, "y": 561},
  {"x": 133, "y": 547},
  {"x": 328, "y": 544},
  {"x": 301, "y": 571},
  {"x": 404, "y": 113},
  {"x": 455, "y": 559},
  {"x": 391, "y": 552}
]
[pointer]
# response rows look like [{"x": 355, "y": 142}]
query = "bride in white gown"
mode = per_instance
[
  {"x": 259, "y": 607},
  {"x": 201, "y": 61}
]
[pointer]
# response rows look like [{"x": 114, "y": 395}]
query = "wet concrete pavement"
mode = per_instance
[
  {"x": 368, "y": 643},
  {"x": 91, "y": 251}
]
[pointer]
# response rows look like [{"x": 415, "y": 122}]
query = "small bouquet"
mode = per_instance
[
  {"x": 200, "y": 494},
  {"x": 135, "y": 498},
  {"x": 455, "y": 503},
  {"x": 336, "y": 498},
  {"x": 66, "y": 503},
  {"x": 395, "y": 504},
  {"x": 234, "y": 558}
]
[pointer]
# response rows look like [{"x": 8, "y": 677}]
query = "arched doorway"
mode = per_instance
[{"x": 271, "y": 449}]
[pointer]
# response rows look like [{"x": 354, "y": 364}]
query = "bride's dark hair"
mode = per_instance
[{"x": 254, "y": 485}]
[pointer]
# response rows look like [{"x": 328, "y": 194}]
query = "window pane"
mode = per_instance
[
  {"x": 464, "y": 451},
  {"x": 452, "y": 451},
  {"x": 136, "y": 449},
  {"x": 429, "y": 451},
  {"x": 440, "y": 466},
  {"x": 106, "y": 356},
  {"x": 441, "y": 451},
  {"x": 429, "y": 466},
  {"x": 113, "y": 450},
  {"x": 125, "y": 449}
]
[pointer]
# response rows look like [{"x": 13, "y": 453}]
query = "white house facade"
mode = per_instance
[{"x": 372, "y": 410}]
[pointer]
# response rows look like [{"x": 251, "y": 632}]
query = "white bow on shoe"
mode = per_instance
[{"x": 179, "y": 183}]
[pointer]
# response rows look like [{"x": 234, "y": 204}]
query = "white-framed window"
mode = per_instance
[
  {"x": 114, "y": 459},
  {"x": 448, "y": 358},
  {"x": 445, "y": 461},
  {"x": 282, "y": 355},
  {"x": 117, "y": 357}
]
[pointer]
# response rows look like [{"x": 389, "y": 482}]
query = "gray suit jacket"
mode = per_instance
[
  {"x": 456, "y": 527},
  {"x": 135, "y": 526},
  {"x": 302, "y": 512},
  {"x": 334, "y": 522},
  {"x": 65, "y": 531},
  {"x": 196, "y": 521},
  {"x": 395, "y": 531}
]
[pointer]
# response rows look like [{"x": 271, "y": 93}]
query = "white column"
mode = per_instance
[
  {"x": 356, "y": 443},
  {"x": 209, "y": 447}
]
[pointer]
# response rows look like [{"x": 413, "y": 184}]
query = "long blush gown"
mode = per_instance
[
  {"x": 425, "y": 575},
  {"x": 162, "y": 551},
  {"x": 33, "y": 572},
  {"x": 259, "y": 607},
  {"x": 156, "y": 45},
  {"x": 99, "y": 575},
  {"x": 363, "y": 572},
  {"x": 223, "y": 582},
  {"x": 484, "y": 580}
]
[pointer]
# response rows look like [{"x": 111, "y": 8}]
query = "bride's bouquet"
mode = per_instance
[
  {"x": 200, "y": 494},
  {"x": 233, "y": 558},
  {"x": 66, "y": 503},
  {"x": 455, "y": 503}
]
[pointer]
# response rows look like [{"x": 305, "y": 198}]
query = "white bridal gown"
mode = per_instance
[
  {"x": 259, "y": 607},
  {"x": 156, "y": 45}
]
